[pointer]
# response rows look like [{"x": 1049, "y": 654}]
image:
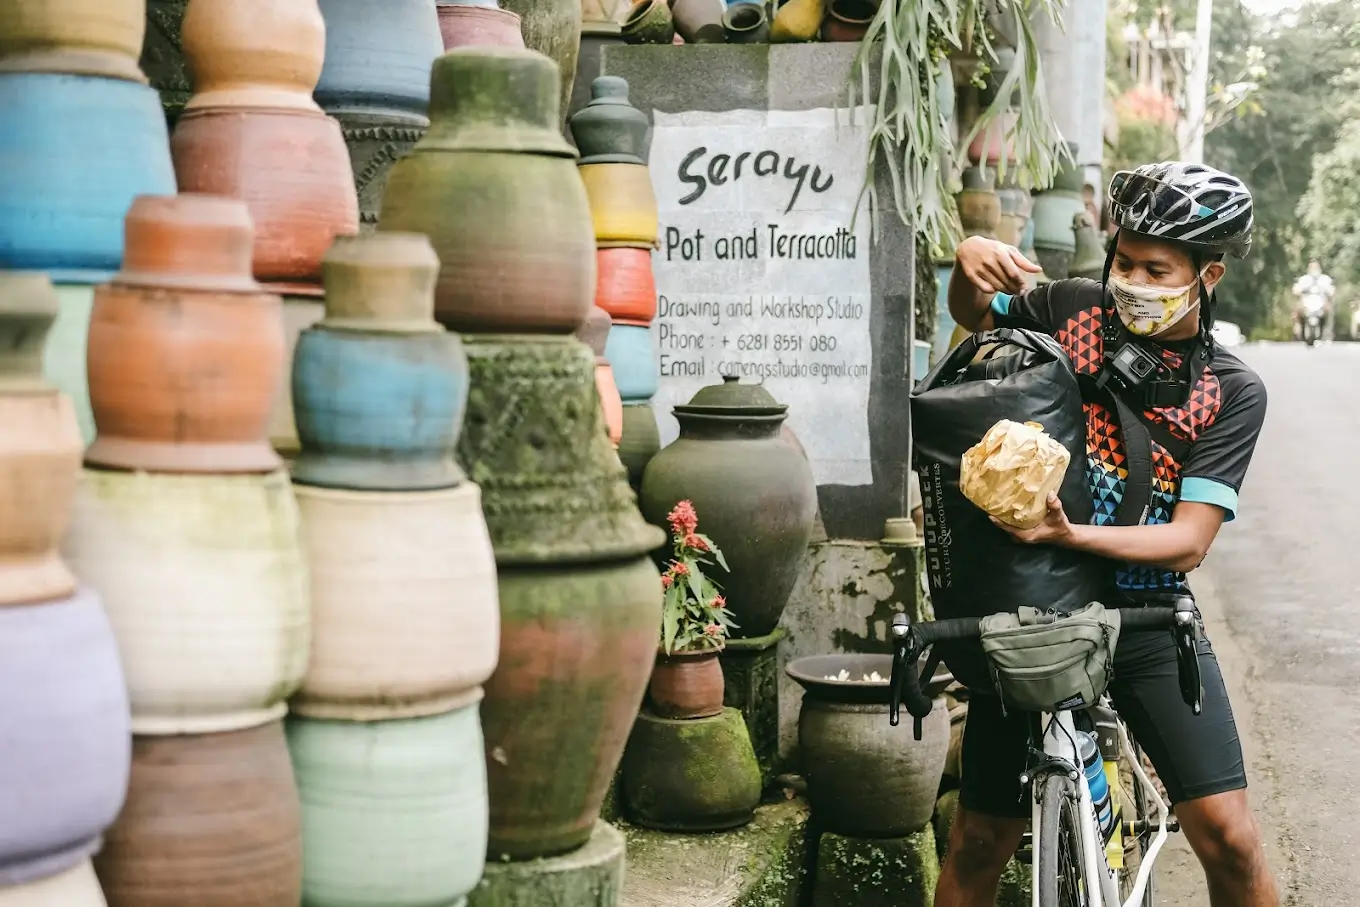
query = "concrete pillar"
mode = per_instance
[{"x": 1073, "y": 60}]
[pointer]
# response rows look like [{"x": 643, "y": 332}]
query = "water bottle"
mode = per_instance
[{"x": 1094, "y": 767}]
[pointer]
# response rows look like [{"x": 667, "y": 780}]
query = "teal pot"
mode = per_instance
[
  {"x": 746, "y": 23},
  {"x": 690, "y": 775},
  {"x": 577, "y": 648},
  {"x": 65, "y": 706},
  {"x": 64, "y": 354},
  {"x": 1055, "y": 240},
  {"x": 640, "y": 442},
  {"x": 553, "y": 28},
  {"x": 393, "y": 812},
  {"x": 754, "y": 494},
  {"x": 866, "y": 778},
  {"x": 377, "y": 411},
  {"x": 610, "y": 130},
  {"x": 378, "y": 57},
  {"x": 553, "y": 489},
  {"x": 944, "y": 322},
  {"x": 77, "y": 151},
  {"x": 631, "y": 350}
]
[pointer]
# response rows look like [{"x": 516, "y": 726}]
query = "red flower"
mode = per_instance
[
  {"x": 719, "y": 601},
  {"x": 683, "y": 519},
  {"x": 679, "y": 569},
  {"x": 667, "y": 580},
  {"x": 693, "y": 541},
  {"x": 713, "y": 630}
]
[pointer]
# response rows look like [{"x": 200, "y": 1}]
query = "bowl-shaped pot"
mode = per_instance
[
  {"x": 378, "y": 56},
  {"x": 254, "y": 53},
  {"x": 404, "y": 605},
  {"x": 622, "y": 202},
  {"x": 204, "y": 581},
  {"x": 632, "y": 352},
  {"x": 378, "y": 411},
  {"x": 65, "y": 772},
  {"x": 625, "y": 286},
  {"x": 40, "y": 447},
  {"x": 61, "y": 207},
  {"x": 72, "y": 36},
  {"x": 292, "y": 170}
]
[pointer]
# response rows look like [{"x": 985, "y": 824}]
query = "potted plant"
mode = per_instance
[{"x": 687, "y": 681}]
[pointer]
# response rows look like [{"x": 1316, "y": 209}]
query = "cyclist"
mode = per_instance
[
  {"x": 1315, "y": 283},
  {"x": 1175, "y": 222}
]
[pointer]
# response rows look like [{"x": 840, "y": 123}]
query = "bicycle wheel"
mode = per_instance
[{"x": 1061, "y": 878}]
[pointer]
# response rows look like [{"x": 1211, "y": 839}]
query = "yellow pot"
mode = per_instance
[
  {"x": 102, "y": 38},
  {"x": 622, "y": 203},
  {"x": 797, "y": 20}
]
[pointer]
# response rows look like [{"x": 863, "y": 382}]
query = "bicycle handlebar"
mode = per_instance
[{"x": 910, "y": 641}]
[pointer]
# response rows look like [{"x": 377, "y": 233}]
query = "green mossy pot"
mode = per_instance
[
  {"x": 393, "y": 812},
  {"x": 553, "y": 28},
  {"x": 690, "y": 775}
]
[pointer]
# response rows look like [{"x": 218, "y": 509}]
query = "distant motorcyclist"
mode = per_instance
[{"x": 1312, "y": 288}]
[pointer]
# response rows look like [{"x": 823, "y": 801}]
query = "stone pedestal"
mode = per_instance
[
  {"x": 589, "y": 877},
  {"x": 751, "y": 686},
  {"x": 883, "y": 872}
]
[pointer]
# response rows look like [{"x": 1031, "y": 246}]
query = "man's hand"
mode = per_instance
[
  {"x": 1054, "y": 530},
  {"x": 992, "y": 266}
]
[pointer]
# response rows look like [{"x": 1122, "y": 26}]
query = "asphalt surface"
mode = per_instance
[{"x": 1281, "y": 595}]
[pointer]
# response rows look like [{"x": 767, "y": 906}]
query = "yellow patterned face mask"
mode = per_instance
[{"x": 1147, "y": 310}]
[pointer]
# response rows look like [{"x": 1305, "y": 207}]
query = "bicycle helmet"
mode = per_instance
[{"x": 1191, "y": 204}]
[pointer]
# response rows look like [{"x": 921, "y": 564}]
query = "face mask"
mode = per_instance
[{"x": 1147, "y": 310}]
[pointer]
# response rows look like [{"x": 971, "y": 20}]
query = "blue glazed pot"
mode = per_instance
[
  {"x": 378, "y": 411},
  {"x": 632, "y": 352},
  {"x": 74, "y": 152},
  {"x": 378, "y": 57},
  {"x": 944, "y": 322}
]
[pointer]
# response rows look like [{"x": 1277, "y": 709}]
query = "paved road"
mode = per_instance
[{"x": 1283, "y": 590}]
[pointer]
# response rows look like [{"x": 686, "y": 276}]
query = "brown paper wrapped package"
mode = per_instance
[{"x": 1011, "y": 472}]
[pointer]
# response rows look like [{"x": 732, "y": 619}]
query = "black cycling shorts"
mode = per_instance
[{"x": 1195, "y": 755}]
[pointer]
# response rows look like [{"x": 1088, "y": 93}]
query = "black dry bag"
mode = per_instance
[{"x": 975, "y": 568}]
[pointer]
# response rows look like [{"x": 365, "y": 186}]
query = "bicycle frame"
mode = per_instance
[{"x": 1060, "y": 748}]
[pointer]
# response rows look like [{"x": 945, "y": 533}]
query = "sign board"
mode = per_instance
[{"x": 761, "y": 274}]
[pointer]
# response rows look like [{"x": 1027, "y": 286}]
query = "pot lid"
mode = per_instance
[{"x": 733, "y": 397}]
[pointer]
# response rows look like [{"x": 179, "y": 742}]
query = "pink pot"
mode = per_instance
[{"x": 478, "y": 26}]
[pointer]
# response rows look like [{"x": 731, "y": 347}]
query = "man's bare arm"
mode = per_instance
[{"x": 982, "y": 268}]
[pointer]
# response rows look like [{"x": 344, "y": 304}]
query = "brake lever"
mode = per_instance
[
  {"x": 1187, "y": 655},
  {"x": 901, "y": 644}
]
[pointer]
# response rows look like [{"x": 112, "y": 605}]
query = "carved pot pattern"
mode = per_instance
[{"x": 375, "y": 143}]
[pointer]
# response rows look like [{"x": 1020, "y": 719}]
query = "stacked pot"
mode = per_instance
[
  {"x": 185, "y": 522},
  {"x": 478, "y": 23},
  {"x": 376, "y": 82},
  {"x": 63, "y": 701},
  {"x": 252, "y": 131},
  {"x": 1056, "y": 210},
  {"x": 385, "y": 736},
  {"x": 614, "y": 139},
  {"x": 494, "y": 185},
  {"x": 81, "y": 134}
]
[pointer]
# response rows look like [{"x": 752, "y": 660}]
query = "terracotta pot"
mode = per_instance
[
  {"x": 204, "y": 581},
  {"x": 553, "y": 28},
  {"x": 404, "y": 604},
  {"x": 622, "y": 203},
  {"x": 640, "y": 442},
  {"x": 996, "y": 141},
  {"x": 848, "y": 20},
  {"x": 61, "y": 211},
  {"x": 64, "y": 356},
  {"x": 76, "y": 887},
  {"x": 755, "y": 495},
  {"x": 377, "y": 411},
  {"x": 478, "y": 26},
  {"x": 610, "y": 130},
  {"x": 40, "y": 449},
  {"x": 68, "y": 36},
  {"x": 254, "y": 54},
  {"x": 28, "y": 306},
  {"x": 492, "y": 185},
  {"x": 633, "y": 354},
  {"x": 163, "y": 56},
  {"x": 610, "y": 399},
  {"x": 64, "y": 773},
  {"x": 185, "y": 351},
  {"x": 692, "y": 775},
  {"x": 212, "y": 814},
  {"x": 253, "y": 155},
  {"x": 650, "y": 22},
  {"x": 299, "y": 313},
  {"x": 378, "y": 57},
  {"x": 699, "y": 21},
  {"x": 535, "y": 441},
  {"x": 556, "y": 726},
  {"x": 625, "y": 286},
  {"x": 686, "y": 684},
  {"x": 866, "y": 778},
  {"x": 746, "y": 23},
  {"x": 409, "y": 795}
]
